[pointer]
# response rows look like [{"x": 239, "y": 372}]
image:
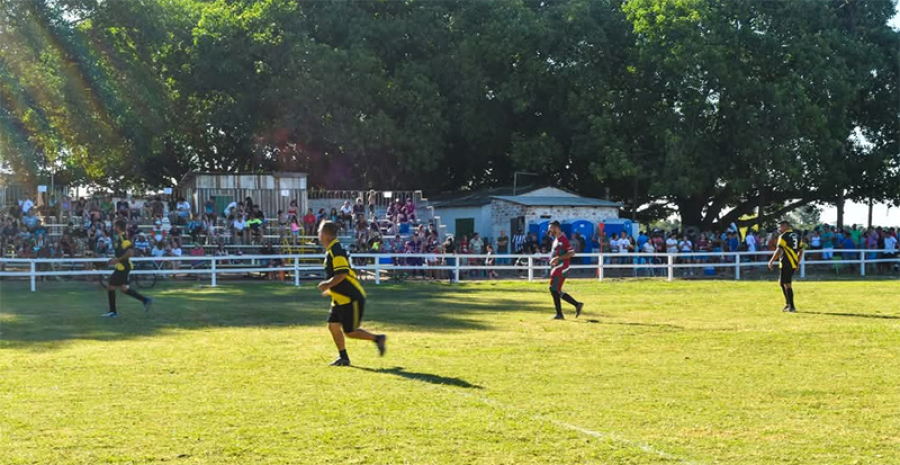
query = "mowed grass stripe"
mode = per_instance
[{"x": 708, "y": 372}]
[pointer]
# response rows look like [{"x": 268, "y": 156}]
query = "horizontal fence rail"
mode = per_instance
[{"x": 378, "y": 264}]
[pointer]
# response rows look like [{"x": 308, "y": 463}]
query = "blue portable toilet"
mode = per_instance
[
  {"x": 534, "y": 229},
  {"x": 567, "y": 229},
  {"x": 542, "y": 229}
]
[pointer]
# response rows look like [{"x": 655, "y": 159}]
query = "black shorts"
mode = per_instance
[
  {"x": 787, "y": 274},
  {"x": 119, "y": 278},
  {"x": 348, "y": 315}
]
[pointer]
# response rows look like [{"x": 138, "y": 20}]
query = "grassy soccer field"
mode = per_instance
[{"x": 655, "y": 372}]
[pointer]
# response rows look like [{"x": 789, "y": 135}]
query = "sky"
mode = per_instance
[{"x": 855, "y": 213}]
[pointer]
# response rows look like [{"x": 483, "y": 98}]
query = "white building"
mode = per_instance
[{"x": 490, "y": 211}]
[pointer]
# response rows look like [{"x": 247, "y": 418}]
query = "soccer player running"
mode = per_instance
[
  {"x": 124, "y": 249},
  {"x": 348, "y": 298},
  {"x": 561, "y": 254},
  {"x": 789, "y": 251}
]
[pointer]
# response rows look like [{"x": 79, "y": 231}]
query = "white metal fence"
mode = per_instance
[{"x": 380, "y": 266}]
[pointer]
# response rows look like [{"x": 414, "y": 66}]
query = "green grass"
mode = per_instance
[{"x": 655, "y": 372}]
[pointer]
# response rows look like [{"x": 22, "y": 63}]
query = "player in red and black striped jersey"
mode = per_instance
[
  {"x": 790, "y": 251},
  {"x": 561, "y": 254}
]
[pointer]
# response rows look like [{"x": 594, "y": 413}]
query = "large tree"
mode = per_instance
[{"x": 714, "y": 109}]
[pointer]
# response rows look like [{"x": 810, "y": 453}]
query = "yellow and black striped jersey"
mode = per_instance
[
  {"x": 122, "y": 245},
  {"x": 337, "y": 261},
  {"x": 791, "y": 248}
]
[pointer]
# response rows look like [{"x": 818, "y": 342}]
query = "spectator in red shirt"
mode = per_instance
[{"x": 309, "y": 222}]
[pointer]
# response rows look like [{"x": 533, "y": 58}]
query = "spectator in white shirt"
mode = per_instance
[
  {"x": 184, "y": 209},
  {"x": 750, "y": 240},
  {"x": 672, "y": 244},
  {"x": 686, "y": 246},
  {"x": 239, "y": 228}
]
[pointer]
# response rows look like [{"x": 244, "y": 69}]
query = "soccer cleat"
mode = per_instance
[
  {"x": 341, "y": 362},
  {"x": 578, "y": 309},
  {"x": 558, "y": 317},
  {"x": 793, "y": 310},
  {"x": 786, "y": 308},
  {"x": 147, "y": 304},
  {"x": 110, "y": 315},
  {"x": 380, "y": 341}
]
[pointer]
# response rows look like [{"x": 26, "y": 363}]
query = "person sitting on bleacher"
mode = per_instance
[
  {"x": 141, "y": 246},
  {"x": 346, "y": 214},
  {"x": 195, "y": 228},
  {"x": 392, "y": 210}
]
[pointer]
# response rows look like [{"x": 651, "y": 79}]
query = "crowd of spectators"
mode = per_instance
[{"x": 161, "y": 227}]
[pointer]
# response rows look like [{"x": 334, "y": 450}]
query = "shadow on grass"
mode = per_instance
[
  {"x": 424, "y": 377},
  {"x": 853, "y": 315},
  {"x": 71, "y": 311},
  {"x": 667, "y": 326}
]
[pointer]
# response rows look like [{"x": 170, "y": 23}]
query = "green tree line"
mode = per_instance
[{"x": 714, "y": 109}]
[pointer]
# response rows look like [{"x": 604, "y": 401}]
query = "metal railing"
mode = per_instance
[{"x": 378, "y": 265}]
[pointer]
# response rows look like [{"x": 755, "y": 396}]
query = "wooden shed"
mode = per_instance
[{"x": 272, "y": 191}]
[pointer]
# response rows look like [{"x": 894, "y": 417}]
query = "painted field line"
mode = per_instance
[{"x": 647, "y": 448}]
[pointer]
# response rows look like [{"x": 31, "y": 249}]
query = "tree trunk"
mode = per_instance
[
  {"x": 691, "y": 212},
  {"x": 871, "y": 206},
  {"x": 840, "y": 210}
]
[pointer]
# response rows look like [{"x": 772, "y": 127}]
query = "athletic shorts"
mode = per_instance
[
  {"x": 787, "y": 275},
  {"x": 119, "y": 278},
  {"x": 348, "y": 315},
  {"x": 556, "y": 282}
]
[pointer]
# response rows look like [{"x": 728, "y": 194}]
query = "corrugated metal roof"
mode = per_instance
[
  {"x": 477, "y": 198},
  {"x": 558, "y": 201}
]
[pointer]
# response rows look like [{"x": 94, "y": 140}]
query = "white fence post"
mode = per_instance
[
  {"x": 671, "y": 262},
  {"x": 456, "y": 268},
  {"x": 33, "y": 289},
  {"x": 737, "y": 267},
  {"x": 862, "y": 263},
  {"x": 530, "y": 269},
  {"x": 296, "y": 271},
  {"x": 213, "y": 274},
  {"x": 377, "y": 270},
  {"x": 600, "y": 268},
  {"x": 802, "y": 267}
]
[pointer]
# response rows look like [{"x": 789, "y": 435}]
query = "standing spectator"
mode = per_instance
[
  {"x": 359, "y": 210},
  {"x": 294, "y": 210},
  {"x": 372, "y": 198},
  {"x": 450, "y": 249},
  {"x": 649, "y": 248},
  {"x": 828, "y": 242},
  {"x": 502, "y": 245},
  {"x": 296, "y": 229},
  {"x": 518, "y": 241},
  {"x": 686, "y": 247},
  {"x": 750, "y": 240},
  {"x": 475, "y": 244},
  {"x": 672, "y": 244},
  {"x": 890, "y": 248},
  {"x": 489, "y": 261},
  {"x": 157, "y": 208}
]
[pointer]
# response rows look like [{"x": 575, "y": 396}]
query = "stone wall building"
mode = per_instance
[{"x": 491, "y": 211}]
